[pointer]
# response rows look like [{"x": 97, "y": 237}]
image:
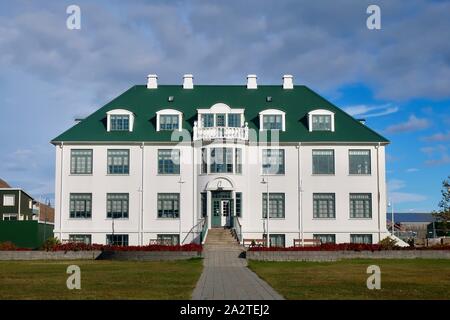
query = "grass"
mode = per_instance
[
  {"x": 346, "y": 279},
  {"x": 99, "y": 279}
]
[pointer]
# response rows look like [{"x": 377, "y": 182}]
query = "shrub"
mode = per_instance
[
  {"x": 73, "y": 246},
  {"x": 50, "y": 243},
  {"x": 7, "y": 246},
  {"x": 388, "y": 244}
]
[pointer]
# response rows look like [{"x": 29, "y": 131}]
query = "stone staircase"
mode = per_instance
[{"x": 221, "y": 239}]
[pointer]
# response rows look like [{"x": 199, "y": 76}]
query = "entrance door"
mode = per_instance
[
  {"x": 226, "y": 213},
  {"x": 216, "y": 220}
]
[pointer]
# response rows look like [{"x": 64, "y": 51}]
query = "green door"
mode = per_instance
[{"x": 216, "y": 216}]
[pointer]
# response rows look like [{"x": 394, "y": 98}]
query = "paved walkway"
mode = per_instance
[{"x": 226, "y": 277}]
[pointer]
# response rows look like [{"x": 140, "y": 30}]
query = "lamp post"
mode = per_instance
[
  {"x": 391, "y": 205},
  {"x": 180, "y": 183},
  {"x": 266, "y": 182}
]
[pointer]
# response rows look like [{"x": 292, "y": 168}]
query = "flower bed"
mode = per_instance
[
  {"x": 91, "y": 247},
  {"x": 346, "y": 247}
]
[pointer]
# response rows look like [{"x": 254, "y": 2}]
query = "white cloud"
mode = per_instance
[
  {"x": 370, "y": 111},
  {"x": 438, "y": 137},
  {"x": 409, "y": 170},
  {"x": 401, "y": 197},
  {"x": 412, "y": 124},
  {"x": 395, "y": 184}
]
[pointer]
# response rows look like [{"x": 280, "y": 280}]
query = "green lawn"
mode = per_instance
[
  {"x": 99, "y": 279},
  {"x": 400, "y": 279}
]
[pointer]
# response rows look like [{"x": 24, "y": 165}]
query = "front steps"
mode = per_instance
[{"x": 220, "y": 238}]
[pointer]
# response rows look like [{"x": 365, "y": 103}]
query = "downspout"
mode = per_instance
[
  {"x": 141, "y": 220},
  {"x": 61, "y": 190},
  {"x": 300, "y": 194},
  {"x": 378, "y": 190},
  {"x": 194, "y": 189},
  {"x": 20, "y": 203}
]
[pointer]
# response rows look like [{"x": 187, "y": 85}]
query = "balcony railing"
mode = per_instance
[{"x": 211, "y": 133}]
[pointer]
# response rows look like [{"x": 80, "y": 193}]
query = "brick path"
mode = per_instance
[{"x": 226, "y": 276}]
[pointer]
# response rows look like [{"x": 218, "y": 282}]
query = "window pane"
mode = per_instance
[
  {"x": 168, "y": 239},
  {"x": 272, "y": 122},
  {"x": 324, "y": 205},
  {"x": 80, "y": 205},
  {"x": 117, "y": 205},
  {"x": 325, "y": 238},
  {"x": 119, "y": 122},
  {"x": 273, "y": 161},
  {"x": 361, "y": 238},
  {"x": 360, "y": 205},
  {"x": 168, "y": 161},
  {"x": 276, "y": 205},
  {"x": 168, "y": 122},
  {"x": 221, "y": 160},
  {"x": 81, "y": 161},
  {"x": 321, "y": 122},
  {"x": 323, "y": 161},
  {"x": 239, "y": 204},
  {"x": 276, "y": 240},
  {"x": 118, "y": 161},
  {"x": 168, "y": 205},
  {"x": 117, "y": 239},
  {"x": 359, "y": 162},
  {"x": 207, "y": 120},
  {"x": 238, "y": 160},
  {"x": 220, "y": 120},
  {"x": 234, "y": 120}
]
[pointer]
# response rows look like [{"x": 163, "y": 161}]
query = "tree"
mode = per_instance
[{"x": 443, "y": 214}]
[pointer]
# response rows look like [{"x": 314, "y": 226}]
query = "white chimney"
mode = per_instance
[
  {"x": 152, "y": 81},
  {"x": 188, "y": 81},
  {"x": 251, "y": 81},
  {"x": 288, "y": 82}
]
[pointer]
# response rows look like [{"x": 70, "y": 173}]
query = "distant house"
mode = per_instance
[
  {"x": 416, "y": 223},
  {"x": 25, "y": 222}
]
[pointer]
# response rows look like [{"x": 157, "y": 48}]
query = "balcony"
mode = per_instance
[{"x": 212, "y": 133}]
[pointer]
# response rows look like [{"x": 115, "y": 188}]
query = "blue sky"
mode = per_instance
[{"x": 398, "y": 78}]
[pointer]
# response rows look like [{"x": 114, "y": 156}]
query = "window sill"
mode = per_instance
[
  {"x": 173, "y": 219},
  {"x": 110, "y": 219},
  {"x": 323, "y": 174},
  {"x": 80, "y": 218},
  {"x": 361, "y": 218},
  {"x": 168, "y": 174},
  {"x": 324, "y": 218},
  {"x": 273, "y": 174},
  {"x": 359, "y": 174},
  {"x": 273, "y": 218},
  {"x": 117, "y": 174},
  {"x": 81, "y": 174}
]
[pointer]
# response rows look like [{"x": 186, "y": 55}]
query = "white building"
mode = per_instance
[{"x": 167, "y": 161}]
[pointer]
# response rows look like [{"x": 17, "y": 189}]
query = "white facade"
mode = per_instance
[{"x": 143, "y": 183}]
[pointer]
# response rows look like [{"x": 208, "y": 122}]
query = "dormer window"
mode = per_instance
[
  {"x": 321, "y": 120},
  {"x": 120, "y": 120},
  {"x": 168, "y": 120},
  {"x": 272, "y": 119}
]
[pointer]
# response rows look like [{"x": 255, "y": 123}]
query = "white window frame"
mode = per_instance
[
  {"x": 320, "y": 112},
  {"x": 169, "y": 112},
  {"x": 119, "y": 112},
  {"x": 219, "y": 108},
  {"x": 5, "y": 196},
  {"x": 272, "y": 112},
  {"x": 9, "y": 215}
]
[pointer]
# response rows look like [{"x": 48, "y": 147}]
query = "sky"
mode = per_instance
[{"x": 397, "y": 77}]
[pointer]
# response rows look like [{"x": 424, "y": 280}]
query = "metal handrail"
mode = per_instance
[
  {"x": 237, "y": 228},
  {"x": 191, "y": 231}
]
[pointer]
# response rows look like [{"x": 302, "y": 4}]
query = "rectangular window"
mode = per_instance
[
  {"x": 81, "y": 161},
  {"x": 323, "y": 161},
  {"x": 234, "y": 120},
  {"x": 321, "y": 122},
  {"x": 207, "y": 120},
  {"x": 325, "y": 238},
  {"x": 117, "y": 205},
  {"x": 204, "y": 204},
  {"x": 276, "y": 205},
  {"x": 168, "y": 205},
  {"x": 272, "y": 122},
  {"x": 273, "y": 161},
  {"x": 238, "y": 160},
  {"x": 204, "y": 168},
  {"x": 117, "y": 239},
  {"x": 239, "y": 204},
  {"x": 80, "y": 205},
  {"x": 168, "y": 239},
  {"x": 80, "y": 238},
  {"x": 9, "y": 200},
  {"x": 276, "y": 240},
  {"x": 220, "y": 120},
  {"x": 360, "y": 205},
  {"x": 168, "y": 161},
  {"x": 10, "y": 217},
  {"x": 361, "y": 238},
  {"x": 359, "y": 161},
  {"x": 168, "y": 122},
  {"x": 118, "y": 161},
  {"x": 324, "y": 205},
  {"x": 221, "y": 160},
  {"x": 120, "y": 122}
]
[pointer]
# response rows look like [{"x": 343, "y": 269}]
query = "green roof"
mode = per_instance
[{"x": 144, "y": 103}]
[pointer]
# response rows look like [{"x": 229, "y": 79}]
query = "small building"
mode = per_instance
[
  {"x": 23, "y": 221},
  {"x": 411, "y": 224}
]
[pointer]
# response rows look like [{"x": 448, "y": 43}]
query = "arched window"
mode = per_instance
[
  {"x": 321, "y": 120},
  {"x": 272, "y": 119},
  {"x": 119, "y": 120},
  {"x": 169, "y": 120}
]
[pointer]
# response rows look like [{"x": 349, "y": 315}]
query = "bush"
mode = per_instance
[
  {"x": 73, "y": 246},
  {"x": 50, "y": 243},
  {"x": 388, "y": 244},
  {"x": 7, "y": 246}
]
